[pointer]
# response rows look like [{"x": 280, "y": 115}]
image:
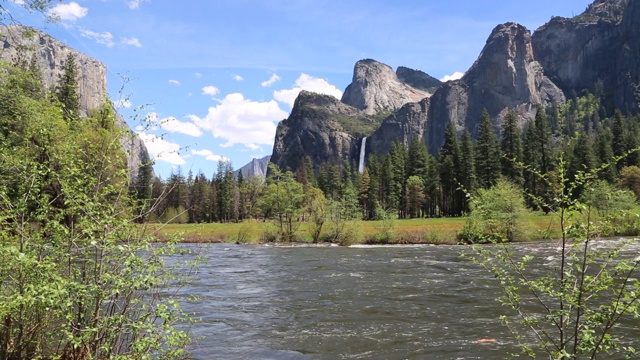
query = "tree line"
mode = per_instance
[{"x": 411, "y": 183}]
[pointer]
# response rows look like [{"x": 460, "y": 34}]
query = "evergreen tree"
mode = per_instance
[
  {"x": 467, "y": 167},
  {"x": 511, "y": 146},
  {"x": 538, "y": 159},
  {"x": 604, "y": 154},
  {"x": 449, "y": 161},
  {"x": 487, "y": 153},
  {"x": 67, "y": 89}
]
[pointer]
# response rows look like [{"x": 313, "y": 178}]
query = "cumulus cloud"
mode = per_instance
[
  {"x": 69, "y": 12},
  {"x": 272, "y": 80},
  {"x": 238, "y": 78},
  {"x": 455, "y": 76},
  {"x": 310, "y": 83},
  {"x": 132, "y": 41},
  {"x": 242, "y": 121},
  {"x": 162, "y": 150},
  {"x": 173, "y": 125},
  {"x": 104, "y": 38},
  {"x": 209, "y": 155},
  {"x": 174, "y": 82},
  {"x": 210, "y": 90}
]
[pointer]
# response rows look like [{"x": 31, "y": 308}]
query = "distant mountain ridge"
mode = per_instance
[
  {"x": 255, "y": 167},
  {"x": 598, "y": 50}
]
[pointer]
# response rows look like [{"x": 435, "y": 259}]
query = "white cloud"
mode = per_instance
[
  {"x": 242, "y": 121},
  {"x": 19, "y": 2},
  {"x": 309, "y": 83},
  {"x": 209, "y": 155},
  {"x": 134, "y": 4},
  {"x": 272, "y": 80},
  {"x": 238, "y": 78},
  {"x": 173, "y": 125},
  {"x": 161, "y": 149},
  {"x": 198, "y": 75},
  {"x": 210, "y": 90},
  {"x": 174, "y": 82},
  {"x": 132, "y": 41},
  {"x": 70, "y": 12},
  {"x": 104, "y": 38},
  {"x": 455, "y": 76}
]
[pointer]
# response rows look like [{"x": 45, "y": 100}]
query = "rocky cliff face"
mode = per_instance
[
  {"x": 318, "y": 127},
  {"x": 255, "y": 167},
  {"x": 418, "y": 79},
  {"x": 406, "y": 125},
  {"x": 505, "y": 76},
  {"x": 21, "y": 43},
  {"x": 375, "y": 88},
  {"x": 598, "y": 50}
]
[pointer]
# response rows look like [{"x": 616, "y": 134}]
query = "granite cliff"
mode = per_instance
[
  {"x": 255, "y": 167},
  {"x": 505, "y": 76},
  {"x": 598, "y": 50},
  {"x": 21, "y": 43},
  {"x": 376, "y": 88}
]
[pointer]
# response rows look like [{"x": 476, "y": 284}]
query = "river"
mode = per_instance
[{"x": 398, "y": 302}]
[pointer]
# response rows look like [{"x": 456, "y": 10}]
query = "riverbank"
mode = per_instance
[{"x": 409, "y": 231}]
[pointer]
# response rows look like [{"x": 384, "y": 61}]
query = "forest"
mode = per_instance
[{"x": 408, "y": 182}]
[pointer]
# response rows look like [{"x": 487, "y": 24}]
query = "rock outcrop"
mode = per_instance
[
  {"x": 20, "y": 43},
  {"x": 255, "y": 167},
  {"x": 376, "y": 88},
  {"x": 505, "y": 76},
  {"x": 321, "y": 127},
  {"x": 598, "y": 50},
  {"x": 406, "y": 125},
  {"x": 418, "y": 79}
]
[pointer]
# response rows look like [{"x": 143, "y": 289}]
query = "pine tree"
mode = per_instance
[
  {"x": 539, "y": 161},
  {"x": 604, "y": 155},
  {"x": 449, "y": 161},
  {"x": 67, "y": 89},
  {"x": 511, "y": 146},
  {"x": 467, "y": 167},
  {"x": 488, "y": 165}
]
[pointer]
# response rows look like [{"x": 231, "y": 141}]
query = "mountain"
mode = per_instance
[
  {"x": 598, "y": 50},
  {"x": 322, "y": 128},
  {"x": 505, "y": 76},
  {"x": 255, "y": 167},
  {"x": 20, "y": 43},
  {"x": 330, "y": 130},
  {"x": 376, "y": 88}
]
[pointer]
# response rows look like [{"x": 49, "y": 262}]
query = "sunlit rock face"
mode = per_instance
[
  {"x": 505, "y": 76},
  {"x": 376, "y": 88}
]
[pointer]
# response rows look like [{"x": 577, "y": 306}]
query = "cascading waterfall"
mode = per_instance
[{"x": 362, "y": 148}]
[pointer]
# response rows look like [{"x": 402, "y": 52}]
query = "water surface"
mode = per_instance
[{"x": 398, "y": 302}]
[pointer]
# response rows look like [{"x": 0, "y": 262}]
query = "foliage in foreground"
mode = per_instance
[
  {"x": 573, "y": 308},
  {"x": 77, "y": 279}
]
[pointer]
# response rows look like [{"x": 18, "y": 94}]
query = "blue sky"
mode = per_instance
[{"x": 214, "y": 77}]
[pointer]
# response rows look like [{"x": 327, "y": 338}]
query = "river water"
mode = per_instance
[{"x": 398, "y": 302}]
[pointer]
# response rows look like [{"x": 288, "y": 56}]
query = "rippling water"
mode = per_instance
[{"x": 411, "y": 302}]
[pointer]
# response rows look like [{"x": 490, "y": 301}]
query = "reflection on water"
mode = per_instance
[{"x": 413, "y": 302}]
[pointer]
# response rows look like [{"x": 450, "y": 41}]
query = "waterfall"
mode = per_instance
[{"x": 362, "y": 148}]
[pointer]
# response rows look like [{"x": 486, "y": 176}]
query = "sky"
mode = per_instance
[{"x": 204, "y": 81}]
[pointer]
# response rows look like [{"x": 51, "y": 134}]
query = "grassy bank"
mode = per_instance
[{"x": 412, "y": 231}]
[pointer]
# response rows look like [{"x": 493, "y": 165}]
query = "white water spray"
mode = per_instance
[{"x": 362, "y": 148}]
